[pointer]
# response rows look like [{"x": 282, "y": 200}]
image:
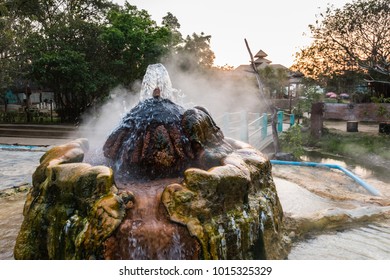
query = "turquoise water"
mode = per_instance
[{"x": 22, "y": 148}]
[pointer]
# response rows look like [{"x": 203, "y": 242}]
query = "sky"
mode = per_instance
[{"x": 278, "y": 27}]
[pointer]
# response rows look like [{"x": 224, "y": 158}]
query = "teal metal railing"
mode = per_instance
[{"x": 252, "y": 128}]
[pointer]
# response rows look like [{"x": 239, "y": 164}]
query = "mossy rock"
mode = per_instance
[
  {"x": 232, "y": 209},
  {"x": 71, "y": 208}
]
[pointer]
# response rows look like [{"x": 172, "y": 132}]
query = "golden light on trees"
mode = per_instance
[{"x": 353, "y": 38}]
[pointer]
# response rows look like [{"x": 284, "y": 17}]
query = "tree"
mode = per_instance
[
  {"x": 48, "y": 12},
  {"x": 6, "y": 39},
  {"x": 13, "y": 31},
  {"x": 67, "y": 73},
  {"x": 195, "y": 53},
  {"x": 310, "y": 94},
  {"x": 172, "y": 23},
  {"x": 133, "y": 41},
  {"x": 354, "y": 38},
  {"x": 275, "y": 80},
  {"x": 63, "y": 48}
]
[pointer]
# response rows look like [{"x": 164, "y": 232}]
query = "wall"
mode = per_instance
[{"x": 371, "y": 112}]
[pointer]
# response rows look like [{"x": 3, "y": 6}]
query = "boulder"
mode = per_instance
[{"x": 71, "y": 207}]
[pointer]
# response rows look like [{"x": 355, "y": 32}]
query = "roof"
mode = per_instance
[
  {"x": 262, "y": 60},
  {"x": 260, "y": 63},
  {"x": 244, "y": 68},
  {"x": 261, "y": 53},
  {"x": 277, "y": 66}
]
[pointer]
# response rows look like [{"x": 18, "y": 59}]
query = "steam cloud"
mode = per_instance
[{"x": 220, "y": 92}]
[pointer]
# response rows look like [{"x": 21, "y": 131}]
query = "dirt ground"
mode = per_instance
[{"x": 365, "y": 127}]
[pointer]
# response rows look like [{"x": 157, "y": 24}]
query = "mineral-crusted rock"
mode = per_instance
[
  {"x": 159, "y": 138},
  {"x": 232, "y": 209},
  {"x": 71, "y": 208},
  {"x": 185, "y": 192}
]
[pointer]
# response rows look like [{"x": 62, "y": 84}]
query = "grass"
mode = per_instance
[{"x": 356, "y": 145}]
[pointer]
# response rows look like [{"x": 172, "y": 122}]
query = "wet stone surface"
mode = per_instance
[
  {"x": 16, "y": 167},
  {"x": 11, "y": 217},
  {"x": 159, "y": 138}
]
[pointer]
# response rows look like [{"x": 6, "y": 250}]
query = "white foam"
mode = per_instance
[{"x": 157, "y": 76}]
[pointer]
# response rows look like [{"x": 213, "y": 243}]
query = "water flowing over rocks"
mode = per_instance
[
  {"x": 228, "y": 211},
  {"x": 174, "y": 188},
  {"x": 232, "y": 209},
  {"x": 159, "y": 138}
]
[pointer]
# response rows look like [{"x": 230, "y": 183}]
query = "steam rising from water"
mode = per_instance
[
  {"x": 97, "y": 125},
  {"x": 218, "y": 91}
]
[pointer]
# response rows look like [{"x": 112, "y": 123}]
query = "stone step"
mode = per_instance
[
  {"x": 38, "y": 127},
  {"x": 34, "y": 133},
  {"x": 37, "y": 131}
]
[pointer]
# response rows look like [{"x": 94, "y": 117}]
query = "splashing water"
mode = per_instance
[
  {"x": 146, "y": 232},
  {"x": 223, "y": 248},
  {"x": 157, "y": 76}
]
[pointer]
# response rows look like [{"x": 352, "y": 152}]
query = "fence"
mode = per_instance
[
  {"x": 37, "y": 113},
  {"x": 253, "y": 128}
]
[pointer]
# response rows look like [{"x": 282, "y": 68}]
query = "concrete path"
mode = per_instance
[{"x": 32, "y": 141}]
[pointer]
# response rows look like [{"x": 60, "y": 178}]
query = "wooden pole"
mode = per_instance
[
  {"x": 269, "y": 105},
  {"x": 316, "y": 120}
]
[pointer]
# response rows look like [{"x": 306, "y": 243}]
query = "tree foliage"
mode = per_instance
[
  {"x": 172, "y": 23},
  {"x": 64, "y": 51},
  {"x": 133, "y": 41},
  {"x": 275, "y": 80},
  {"x": 80, "y": 49},
  {"x": 355, "y": 38},
  {"x": 292, "y": 141},
  {"x": 13, "y": 31},
  {"x": 195, "y": 53},
  {"x": 310, "y": 94}
]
